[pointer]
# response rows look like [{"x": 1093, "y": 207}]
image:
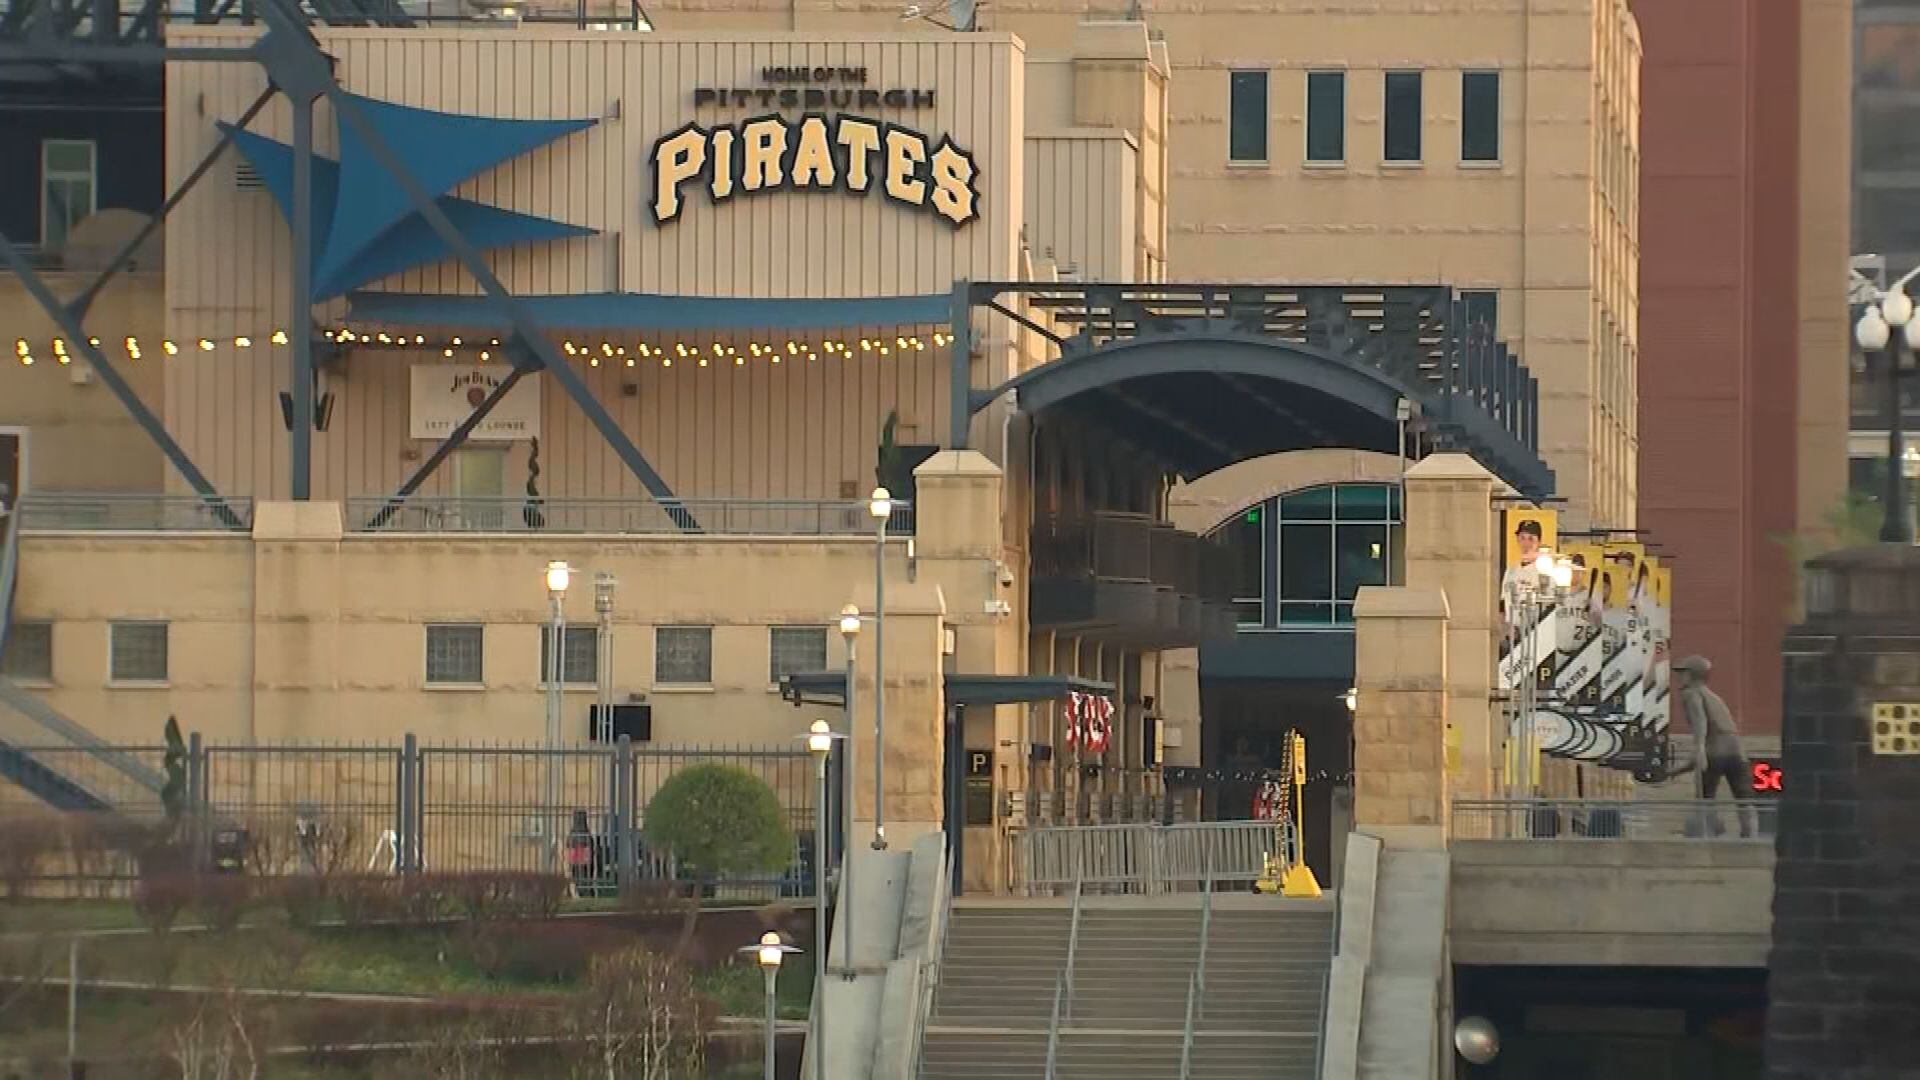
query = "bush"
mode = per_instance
[
  {"x": 159, "y": 898},
  {"x": 27, "y": 844},
  {"x": 640, "y": 1016},
  {"x": 719, "y": 820},
  {"x": 557, "y": 951},
  {"x": 222, "y": 900}
]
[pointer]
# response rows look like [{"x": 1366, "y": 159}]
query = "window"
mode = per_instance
[
  {"x": 1402, "y": 142},
  {"x": 66, "y": 188},
  {"x": 795, "y": 649},
  {"x": 683, "y": 656},
  {"x": 137, "y": 652},
  {"x": 1319, "y": 547},
  {"x": 1326, "y": 116},
  {"x": 29, "y": 655},
  {"x": 1482, "y": 309},
  {"x": 1480, "y": 116},
  {"x": 579, "y": 657},
  {"x": 1246, "y": 544},
  {"x": 1247, "y": 116},
  {"x": 454, "y": 654}
]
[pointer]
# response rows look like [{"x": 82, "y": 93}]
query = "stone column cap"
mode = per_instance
[
  {"x": 1400, "y": 602},
  {"x": 958, "y": 463},
  {"x": 1456, "y": 466},
  {"x": 298, "y": 521},
  {"x": 903, "y": 598}
]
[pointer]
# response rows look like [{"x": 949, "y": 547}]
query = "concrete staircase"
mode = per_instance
[{"x": 1258, "y": 1014}]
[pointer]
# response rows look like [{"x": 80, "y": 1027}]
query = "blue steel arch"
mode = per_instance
[{"x": 1250, "y": 355}]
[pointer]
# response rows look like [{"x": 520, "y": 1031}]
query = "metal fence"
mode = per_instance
[
  {"x": 278, "y": 809},
  {"x": 629, "y": 517},
  {"x": 1749, "y": 820},
  {"x": 1147, "y": 859},
  {"x": 84, "y": 512}
]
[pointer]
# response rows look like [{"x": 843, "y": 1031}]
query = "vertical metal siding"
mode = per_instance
[{"x": 792, "y": 429}]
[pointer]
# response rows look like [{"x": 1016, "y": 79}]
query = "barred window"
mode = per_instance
[
  {"x": 579, "y": 657},
  {"x": 29, "y": 655},
  {"x": 137, "y": 652},
  {"x": 454, "y": 654},
  {"x": 795, "y": 649},
  {"x": 683, "y": 655}
]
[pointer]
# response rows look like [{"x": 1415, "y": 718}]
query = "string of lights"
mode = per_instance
[{"x": 594, "y": 352}]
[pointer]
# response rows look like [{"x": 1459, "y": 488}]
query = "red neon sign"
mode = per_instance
[{"x": 1765, "y": 778}]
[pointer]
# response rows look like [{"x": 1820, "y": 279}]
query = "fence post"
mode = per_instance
[
  {"x": 406, "y": 842},
  {"x": 198, "y": 801},
  {"x": 623, "y": 800}
]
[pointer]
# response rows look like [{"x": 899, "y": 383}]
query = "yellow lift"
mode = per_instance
[{"x": 1287, "y": 873}]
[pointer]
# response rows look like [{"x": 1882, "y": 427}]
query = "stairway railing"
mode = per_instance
[
  {"x": 1206, "y": 934},
  {"x": 1053, "y": 1025},
  {"x": 1073, "y": 945},
  {"x": 1186, "y": 1035}
]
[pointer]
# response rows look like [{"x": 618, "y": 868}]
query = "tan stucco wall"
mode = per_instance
[
  {"x": 80, "y": 439},
  {"x": 1826, "y": 199}
]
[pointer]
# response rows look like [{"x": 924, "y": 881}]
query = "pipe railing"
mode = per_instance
[
  {"x": 1599, "y": 820},
  {"x": 1186, "y": 1035},
  {"x": 1073, "y": 946},
  {"x": 1053, "y": 1026},
  {"x": 1206, "y": 933}
]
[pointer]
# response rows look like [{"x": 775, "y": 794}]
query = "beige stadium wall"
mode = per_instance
[{"x": 760, "y": 431}]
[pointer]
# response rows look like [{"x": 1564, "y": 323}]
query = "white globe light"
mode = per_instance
[
  {"x": 1912, "y": 332},
  {"x": 1563, "y": 575},
  {"x": 558, "y": 575},
  {"x": 1543, "y": 563},
  {"x": 771, "y": 950},
  {"x": 819, "y": 737},
  {"x": 1896, "y": 307},
  {"x": 880, "y": 504},
  {"x": 1872, "y": 331},
  {"x": 849, "y": 620},
  {"x": 1477, "y": 1040}
]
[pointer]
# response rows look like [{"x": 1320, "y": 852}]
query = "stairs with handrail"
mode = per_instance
[{"x": 1180, "y": 987}]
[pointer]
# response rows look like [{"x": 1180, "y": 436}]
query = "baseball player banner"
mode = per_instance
[{"x": 1527, "y": 613}]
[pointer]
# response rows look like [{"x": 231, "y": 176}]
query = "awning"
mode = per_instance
[{"x": 830, "y": 688}]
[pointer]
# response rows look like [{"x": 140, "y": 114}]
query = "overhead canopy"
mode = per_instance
[{"x": 830, "y": 688}]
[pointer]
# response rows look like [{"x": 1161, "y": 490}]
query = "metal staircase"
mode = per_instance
[{"x": 1183, "y": 987}]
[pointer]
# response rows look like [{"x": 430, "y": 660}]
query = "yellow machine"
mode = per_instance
[{"x": 1287, "y": 873}]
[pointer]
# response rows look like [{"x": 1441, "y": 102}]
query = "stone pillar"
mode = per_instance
[
  {"x": 1844, "y": 975},
  {"x": 1453, "y": 545},
  {"x": 1401, "y": 641},
  {"x": 296, "y": 620}
]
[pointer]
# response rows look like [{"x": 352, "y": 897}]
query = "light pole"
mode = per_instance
[
  {"x": 603, "y": 585},
  {"x": 770, "y": 951},
  {"x": 850, "y": 631},
  {"x": 820, "y": 740},
  {"x": 1876, "y": 331},
  {"x": 880, "y": 506},
  {"x": 559, "y": 574}
]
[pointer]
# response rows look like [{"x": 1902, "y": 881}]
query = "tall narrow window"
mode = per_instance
[
  {"x": 1247, "y": 117},
  {"x": 67, "y": 188},
  {"x": 1327, "y": 116},
  {"x": 1402, "y": 140},
  {"x": 1480, "y": 116}
]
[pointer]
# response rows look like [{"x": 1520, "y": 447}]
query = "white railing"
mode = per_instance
[
  {"x": 1596, "y": 820},
  {"x": 1147, "y": 859}
]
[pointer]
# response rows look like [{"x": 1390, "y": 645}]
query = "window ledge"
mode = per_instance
[
  {"x": 452, "y": 687},
  {"x": 1323, "y": 166},
  {"x": 32, "y": 682},
  {"x": 1250, "y": 166},
  {"x": 572, "y": 687},
  {"x": 139, "y": 684},
  {"x": 683, "y": 688},
  {"x": 1403, "y": 165},
  {"x": 1483, "y": 166}
]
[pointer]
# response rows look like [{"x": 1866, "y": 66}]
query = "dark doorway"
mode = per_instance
[{"x": 1247, "y": 725}]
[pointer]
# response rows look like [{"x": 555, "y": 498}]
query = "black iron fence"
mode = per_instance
[{"x": 408, "y": 808}]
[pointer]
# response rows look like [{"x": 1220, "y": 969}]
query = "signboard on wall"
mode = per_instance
[
  {"x": 824, "y": 149},
  {"x": 443, "y": 396}
]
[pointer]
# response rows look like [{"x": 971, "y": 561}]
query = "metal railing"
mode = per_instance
[
  {"x": 1748, "y": 820},
  {"x": 83, "y": 512},
  {"x": 412, "y": 808},
  {"x": 621, "y": 516},
  {"x": 1073, "y": 945},
  {"x": 1186, "y": 1035},
  {"x": 1147, "y": 859},
  {"x": 1053, "y": 1027}
]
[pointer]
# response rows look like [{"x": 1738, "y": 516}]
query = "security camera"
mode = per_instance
[{"x": 1006, "y": 575}]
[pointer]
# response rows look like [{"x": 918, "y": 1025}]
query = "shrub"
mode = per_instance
[
  {"x": 717, "y": 820},
  {"x": 640, "y": 1017},
  {"x": 159, "y": 898},
  {"x": 222, "y": 900},
  {"x": 27, "y": 844},
  {"x": 557, "y": 951}
]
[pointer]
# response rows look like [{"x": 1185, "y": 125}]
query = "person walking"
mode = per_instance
[{"x": 1716, "y": 741}]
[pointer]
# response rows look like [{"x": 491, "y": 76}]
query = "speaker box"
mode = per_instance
[{"x": 632, "y": 720}]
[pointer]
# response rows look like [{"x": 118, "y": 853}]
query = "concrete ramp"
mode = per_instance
[{"x": 1387, "y": 1000}]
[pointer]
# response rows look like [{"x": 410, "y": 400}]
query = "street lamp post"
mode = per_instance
[
  {"x": 850, "y": 631},
  {"x": 559, "y": 574},
  {"x": 603, "y": 585},
  {"x": 880, "y": 506},
  {"x": 820, "y": 740},
  {"x": 1887, "y": 325},
  {"x": 770, "y": 951}
]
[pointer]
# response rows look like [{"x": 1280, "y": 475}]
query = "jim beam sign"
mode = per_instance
[
  {"x": 823, "y": 149},
  {"x": 444, "y": 395}
]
